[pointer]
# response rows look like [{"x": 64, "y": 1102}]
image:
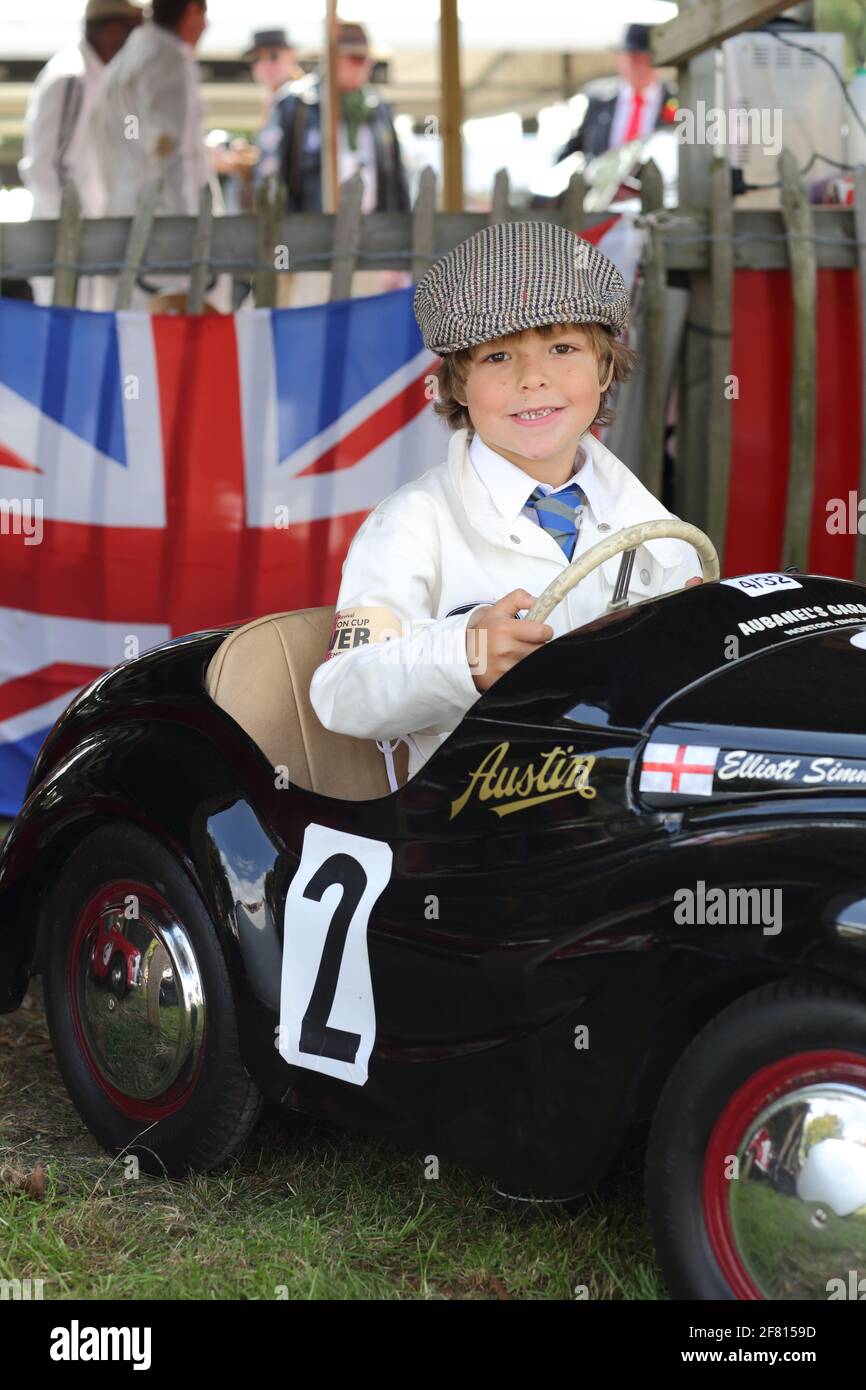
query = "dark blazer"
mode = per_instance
[
  {"x": 300, "y": 152},
  {"x": 592, "y": 136}
]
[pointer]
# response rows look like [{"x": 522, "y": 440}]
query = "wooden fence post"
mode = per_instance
[
  {"x": 200, "y": 252},
  {"x": 573, "y": 215},
  {"x": 423, "y": 224},
  {"x": 66, "y": 250},
  {"x": 652, "y": 341},
  {"x": 136, "y": 245},
  {"x": 721, "y": 294},
  {"x": 499, "y": 200},
  {"x": 347, "y": 237},
  {"x": 797, "y": 215},
  {"x": 269, "y": 212}
]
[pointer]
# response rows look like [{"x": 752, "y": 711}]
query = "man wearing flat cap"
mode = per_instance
[
  {"x": 638, "y": 105},
  {"x": 58, "y": 144},
  {"x": 526, "y": 317}
]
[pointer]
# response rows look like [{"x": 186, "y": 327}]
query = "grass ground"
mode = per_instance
[{"x": 304, "y": 1211}]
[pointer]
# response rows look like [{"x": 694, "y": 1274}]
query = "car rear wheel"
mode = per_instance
[
  {"x": 756, "y": 1165},
  {"x": 148, "y": 1044}
]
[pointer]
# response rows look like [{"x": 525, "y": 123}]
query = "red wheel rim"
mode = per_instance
[
  {"x": 85, "y": 961},
  {"x": 764, "y": 1086}
]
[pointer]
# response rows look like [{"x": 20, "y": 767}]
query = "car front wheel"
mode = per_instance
[
  {"x": 756, "y": 1165},
  {"x": 148, "y": 1049}
]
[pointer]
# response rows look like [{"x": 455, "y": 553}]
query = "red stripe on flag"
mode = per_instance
[
  {"x": 39, "y": 687},
  {"x": 595, "y": 234},
  {"x": 395, "y": 414},
  {"x": 8, "y": 459},
  {"x": 205, "y": 560}
]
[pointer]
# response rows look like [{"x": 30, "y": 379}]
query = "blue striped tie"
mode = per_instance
[{"x": 560, "y": 514}]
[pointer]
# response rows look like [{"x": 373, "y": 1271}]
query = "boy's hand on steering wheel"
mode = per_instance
[{"x": 496, "y": 639}]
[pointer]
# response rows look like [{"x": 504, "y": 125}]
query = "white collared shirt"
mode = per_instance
[
  {"x": 509, "y": 486},
  {"x": 652, "y": 96}
]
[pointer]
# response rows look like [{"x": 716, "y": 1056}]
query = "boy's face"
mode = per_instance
[{"x": 531, "y": 398}]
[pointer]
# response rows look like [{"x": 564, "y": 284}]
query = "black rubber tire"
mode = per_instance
[
  {"x": 764, "y": 1026},
  {"x": 225, "y": 1104}
]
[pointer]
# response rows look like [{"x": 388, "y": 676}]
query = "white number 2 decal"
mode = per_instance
[{"x": 327, "y": 1013}]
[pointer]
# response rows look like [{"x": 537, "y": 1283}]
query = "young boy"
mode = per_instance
[{"x": 525, "y": 316}]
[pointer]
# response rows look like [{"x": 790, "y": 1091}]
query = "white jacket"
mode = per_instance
[
  {"x": 148, "y": 117},
  {"x": 59, "y": 146},
  {"x": 57, "y": 142},
  {"x": 440, "y": 543}
]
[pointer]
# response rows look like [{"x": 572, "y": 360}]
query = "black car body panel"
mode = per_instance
[{"x": 532, "y": 986}]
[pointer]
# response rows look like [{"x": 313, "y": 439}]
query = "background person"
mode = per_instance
[
  {"x": 148, "y": 119},
  {"x": 58, "y": 143},
  {"x": 366, "y": 142},
  {"x": 275, "y": 67},
  {"x": 640, "y": 105}
]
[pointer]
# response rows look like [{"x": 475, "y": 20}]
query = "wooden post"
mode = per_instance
[
  {"x": 269, "y": 211},
  {"x": 696, "y": 81},
  {"x": 573, "y": 215},
  {"x": 329, "y": 111},
  {"x": 860, "y": 232},
  {"x": 499, "y": 201},
  {"x": 652, "y": 341},
  {"x": 721, "y": 294},
  {"x": 347, "y": 237},
  {"x": 66, "y": 247},
  {"x": 423, "y": 233},
  {"x": 200, "y": 252},
  {"x": 797, "y": 215},
  {"x": 451, "y": 107},
  {"x": 136, "y": 245}
]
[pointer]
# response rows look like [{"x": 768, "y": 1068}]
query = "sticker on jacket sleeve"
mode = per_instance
[
  {"x": 358, "y": 627},
  {"x": 755, "y": 584}
]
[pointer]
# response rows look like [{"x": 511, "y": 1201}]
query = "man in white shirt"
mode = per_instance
[
  {"x": 148, "y": 119},
  {"x": 58, "y": 143}
]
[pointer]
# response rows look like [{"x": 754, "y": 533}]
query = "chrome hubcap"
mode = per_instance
[
  {"x": 137, "y": 994},
  {"x": 798, "y": 1207}
]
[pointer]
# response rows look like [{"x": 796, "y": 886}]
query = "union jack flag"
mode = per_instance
[{"x": 160, "y": 475}]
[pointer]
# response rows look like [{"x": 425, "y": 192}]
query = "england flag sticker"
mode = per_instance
[{"x": 683, "y": 769}]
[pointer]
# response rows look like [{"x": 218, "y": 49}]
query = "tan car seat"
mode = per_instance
[{"x": 261, "y": 675}]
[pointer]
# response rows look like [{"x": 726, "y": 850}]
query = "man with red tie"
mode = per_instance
[{"x": 641, "y": 103}]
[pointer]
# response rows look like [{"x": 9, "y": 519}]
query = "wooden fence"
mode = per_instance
[{"x": 708, "y": 243}]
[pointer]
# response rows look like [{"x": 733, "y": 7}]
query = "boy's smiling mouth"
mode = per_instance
[{"x": 538, "y": 416}]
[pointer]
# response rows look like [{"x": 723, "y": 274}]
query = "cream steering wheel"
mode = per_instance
[{"x": 627, "y": 540}]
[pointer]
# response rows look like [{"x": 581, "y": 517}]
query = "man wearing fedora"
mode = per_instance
[
  {"x": 57, "y": 140},
  {"x": 638, "y": 105},
  {"x": 274, "y": 64}
]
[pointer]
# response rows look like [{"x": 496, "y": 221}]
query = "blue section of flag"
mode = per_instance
[
  {"x": 328, "y": 357},
  {"x": 67, "y": 364},
  {"x": 16, "y": 761}
]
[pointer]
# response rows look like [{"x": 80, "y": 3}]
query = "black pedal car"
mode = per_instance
[{"x": 627, "y": 894}]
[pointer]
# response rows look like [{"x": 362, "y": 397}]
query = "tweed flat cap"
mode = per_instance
[{"x": 516, "y": 275}]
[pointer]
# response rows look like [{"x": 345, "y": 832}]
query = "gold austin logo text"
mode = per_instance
[{"x": 562, "y": 773}]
